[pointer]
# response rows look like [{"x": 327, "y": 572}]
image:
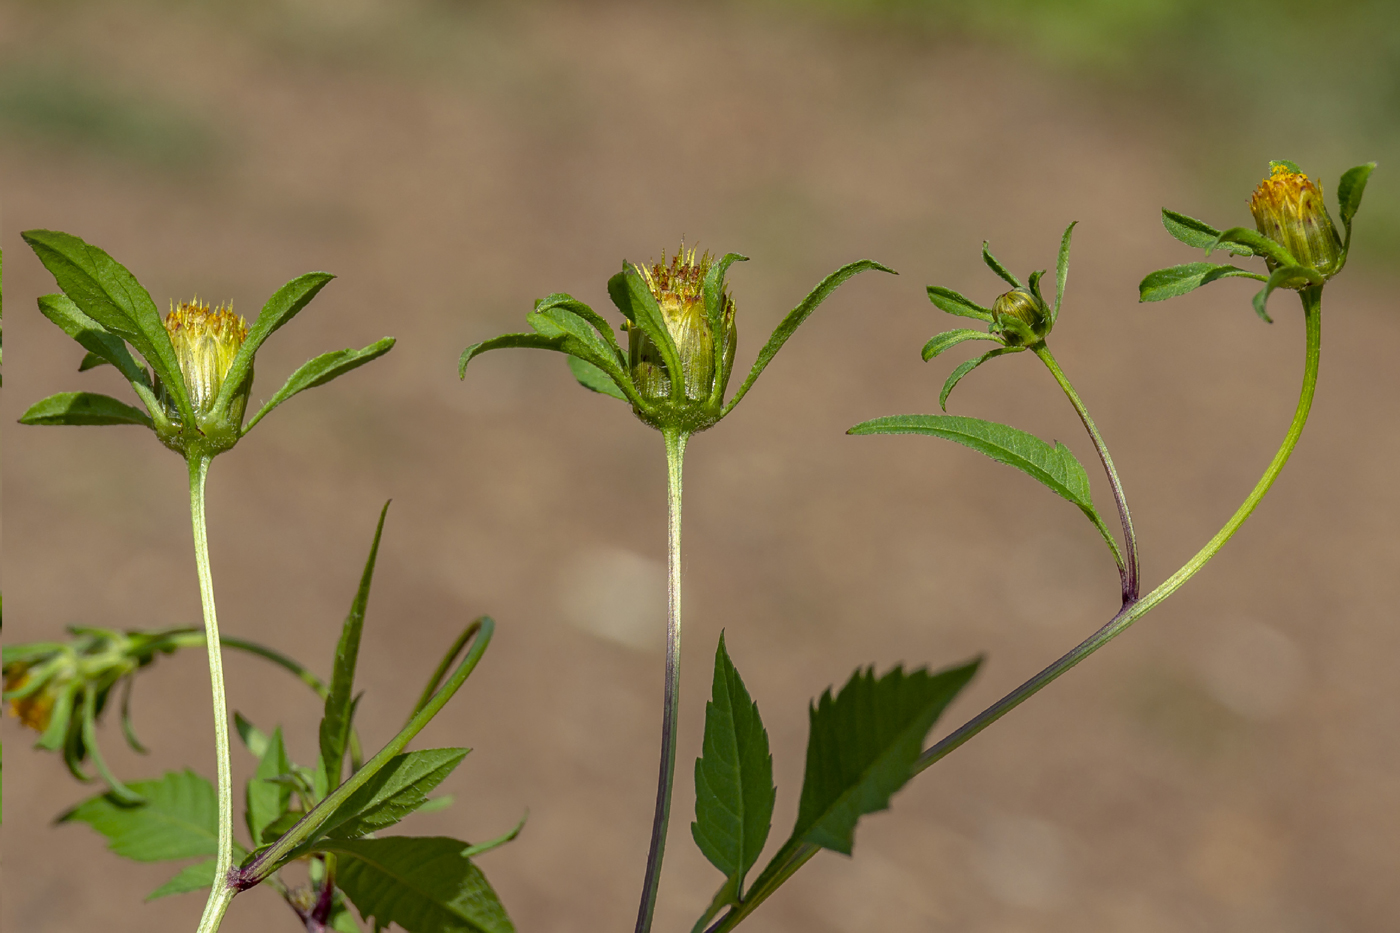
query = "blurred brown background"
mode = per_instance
[{"x": 1229, "y": 765}]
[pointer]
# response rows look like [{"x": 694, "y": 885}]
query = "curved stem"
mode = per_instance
[
  {"x": 670, "y": 714},
  {"x": 221, "y": 893},
  {"x": 1130, "y": 571},
  {"x": 1130, "y": 613}
]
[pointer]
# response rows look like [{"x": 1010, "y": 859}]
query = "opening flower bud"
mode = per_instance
[
  {"x": 1288, "y": 208},
  {"x": 1021, "y": 316},
  {"x": 205, "y": 344},
  {"x": 33, "y": 709},
  {"x": 679, "y": 290}
]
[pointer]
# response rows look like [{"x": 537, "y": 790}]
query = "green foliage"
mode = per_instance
[
  {"x": 594, "y": 379},
  {"x": 335, "y": 722},
  {"x": 76, "y": 408},
  {"x": 284, "y": 305},
  {"x": 178, "y": 820},
  {"x": 319, "y": 371},
  {"x": 1178, "y": 280},
  {"x": 734, "y": 792},
  {"x": 395, "y": 791},
  {"x": 952, "y": 338},
  {"x": 949, "y": 301},
  {"x": 863, "y": 744},
  {"x": 1062, "y": 271},
  {"x": 1284, "y": 277},
  {"x": 997, "y": 267},
  {"x": 424, "y": 884},
  {"x": 194, "y": 877},
  {"x": 1054, "y": 467},
  {"x": 963, "y": 369},
  {"x": 1257, "y": 242},
  {"x": 1199, "y": 234},
  {"x": 796, "y": 316},
  {"x": 266, "y": 798}
]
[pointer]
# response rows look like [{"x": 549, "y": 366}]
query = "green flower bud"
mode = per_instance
[
  {"x": 1021, "y": 317},
  {"x": 679, "y": 290},
  {"x": 1288, "y": 208}
]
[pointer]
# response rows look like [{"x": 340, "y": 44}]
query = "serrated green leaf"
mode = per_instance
[
  {"x": 863, "y": 745},
  {"x": 109, "y": 294},
  {"x": 179, "y": 819},
  {"x": 1198, "y": 233},
  {"x": 265, "y": 798},
  {"x": 1062, "y": 271},
  {"x": 734, "y": 792},
  {"x": 1055, "y": 467},
  {"x": 423, "y": 884},
  {"x": 395, "y": 791},
  {"x": 1284, "y": 277},
  {"x": 952, "y": 338},
  {"x": 79, "y": 408},
  {"x": 1257, "y": 242},
  {"x": 963, "y": 369},
  {"x": 335, "y": 721},
  {"x": 194, "y": 877},
  {"x": 284, "y": 305},
  {"x": 1179, "y": 280},
  {"x": 997, "y": 267},
  {"x": 796, "y": 316},
  {"x": 1350, "y": 189},
  {"x": 593, "y": 378},
  {"x": 321, "y": 370},
  {"x": 949, "y": 301}
]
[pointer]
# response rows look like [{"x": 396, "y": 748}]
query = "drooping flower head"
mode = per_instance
[
  {"x": 33, "y": 707},
  {"x": 1288, "y": 208},
  {"x": 679, "y": 289},
  {"x": 205, "y": 344}
]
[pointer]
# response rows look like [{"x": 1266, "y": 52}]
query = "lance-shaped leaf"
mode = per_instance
[
  {"x": 734, "y": 792},
  {"x": 1062, "y": 271},
  {"x": 178, "y": 820},
  {"x": 863, "y": 745},
  {"x": 634, "y": 299},
  {"x": 609, "y": 348},
  {"x": 1054, "y": 467},
  {"x": 997, "y": 267},
  {"x": 796, "y": 316},
  {"x": 321, "y": 370},
  {"x": 423, "y": 884},
  {"x": 1284, "y": 277},
  {"x": 335, "y": 722},
  {"x": 398, "y": 789},
  {"x": 1178, "y": 280},
  {"x": 945, "y": 299},
  {"x": 952, "y": 338},
  {"x": 267, "y": 798},
  {"x": 280, "y": 308},
  {"x": 83, "y": 408},
  {"x": 1198, "y": 233},
  {"x": 1256, "y": 241},
  {"x": 93, "y": 337},
  {"x": 1349, "y": 191},
  {"x": 580, "y": 336},
  {"x": 963, "y": 369},
  {"x": 594, "y": 379},
  {"x": 109, "y": 294}
]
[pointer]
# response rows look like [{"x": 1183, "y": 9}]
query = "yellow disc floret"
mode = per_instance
[
  {"x": 205, "y": 344},
  {"x": 1288, "y": 208}
]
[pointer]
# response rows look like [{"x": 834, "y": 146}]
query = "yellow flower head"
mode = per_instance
[
  {"x": 1288, "y": 208},
  {"x": 34, "y": 709},
  {"x": 679, "y": 289},
  {"x": 205, "y": 344}
]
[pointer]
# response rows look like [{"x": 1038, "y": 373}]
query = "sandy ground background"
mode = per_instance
[{"x": 1229, "y": 765}]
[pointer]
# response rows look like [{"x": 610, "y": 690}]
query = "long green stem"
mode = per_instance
[
  {"x": 221, "y": 894},
  {"x": 670, "y": 714},
  {"x": 1130, "y": 613},
  {"x": 1131, "y": 569}
]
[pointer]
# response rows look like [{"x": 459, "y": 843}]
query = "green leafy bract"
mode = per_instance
[
  {"x": 1256, "y": 241},
  {"x": 997, "y": 267},
  {"x": 424, "y": 884},
  {"x": 734, "y": 792},
  {"x": 964, "y": 368},
  {"x": 952, "y": 338},
  {"x": 949, "y": 301},
  {"x": 320, "y": 370},
  {"x": 1284, "y": 277},
  {"x": 178, "y": 820},
  {"x": 796, "y": 316},
  {"x": 1062, "y": 271},
  {"x": 94, "y": 338},
  {"x": 1349, "y": 191},
  {"x": 76, "y": 408},
  {"x": 594, "y": 379},
  {"x": 1199, "y": 234},
  {"x": 1178, "y": 280},
  {"x": 279, "y": 309},
  {"x": 863, "y": 745}
]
